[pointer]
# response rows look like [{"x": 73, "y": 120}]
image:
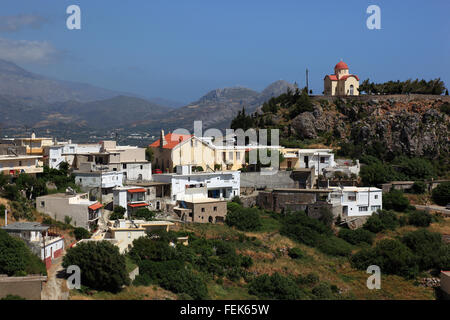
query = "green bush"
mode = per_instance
[
  {"x": 323, "y": 291},
  {"x": 16, "y": 258},
  {"x": 429, "y": 249},
  {"x": 309, "y": 280},
  {"x": 118, "y": 213},
  {"x": 419, "y": 187},
  {"x": 245, "y": 219},
  {"x": 357, "y": 236},
  {"x": 395, "y": 200},
  {"x": 145, "y": 248},
  {"x": 144, "y": 214},
  {"x": 102, "y": 266},
  {"x": 392, "y": 256},
  {"x": 81, "y": 233},
  {"x": 419, "y": 218},
  {"x": 441, "y": 194},
  {"x": 295, "y": 253},
  {"x": 334, "y": 246},
  {"x": 275, "y": 286},
  {"x": 382, "y": 220}
]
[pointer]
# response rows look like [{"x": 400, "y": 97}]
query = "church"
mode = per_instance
[{"x": 341, "y": 83}]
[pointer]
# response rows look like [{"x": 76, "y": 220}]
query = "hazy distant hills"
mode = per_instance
[
  {"x": 31, "y": 100},
  {"x": 217, "y": 108}
]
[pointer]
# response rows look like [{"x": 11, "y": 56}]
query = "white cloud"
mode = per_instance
[
  {"x": 28, "y": 51},
  {"x": 15, "y": 23}
]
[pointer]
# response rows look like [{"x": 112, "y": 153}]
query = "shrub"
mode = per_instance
[
  {"x": 81, "y": 233},
  {"x": 395, "y": 200},
  {"x": 245, "y": 219},
  {"x": 118, "y": 213},
  {"x": 323, "y": 292},
  {"x": 392, "y": 256},
  {"x": 419, "y": 218},
  {"x": 145, "y": 214},
  {"x": 304, "y": 229},
  {"x": 357, "y": 236},
  {"x": 309, "y": 280},
  {"x": 185, "y": 281},
  {"x": 295, "y": 253},
  {"x": 16, "y": 258},
  {"x": 102, "y": 266},
  {"x": 381, "y": 220},
  {"x": 145, "y": 248},
  {"x": 441, "y": 194},
  {"x": 275, "y": 286},
  {"x": 429, "y": 249},
  {"x": 419, "y": 187},
  {"x": 334, "y": 246}
]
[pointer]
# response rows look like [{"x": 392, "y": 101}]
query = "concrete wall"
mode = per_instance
[
  {"x": 29, "y": 287},
  {"x": 59, "y": 208},
  {"x": 209, "y": 215},
  {"x": 282, "y": 179}
]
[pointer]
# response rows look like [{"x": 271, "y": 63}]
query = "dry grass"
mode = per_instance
[{"x": 129, "y": 293}]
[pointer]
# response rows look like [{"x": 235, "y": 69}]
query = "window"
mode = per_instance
[
  {"x": 322, "y": 159},
  {"x": 376, "y": 196},
  {"x": 124, "y": 165},
  {"x": 362, "y": 209},
  {"x": 224, "y": 156},
  {"x": 142, "y": 167},
  {"x": 215, "y": 208},
  {"x": 129, "y": 235},
  {"x": 351, "y": 197},
  {"x": 203, "y": 209},
  {"x": 42, "y": 204},
  {"x": 375, "y": 208}
]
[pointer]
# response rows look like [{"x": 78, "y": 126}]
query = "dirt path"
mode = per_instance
[{"x": 55, "y": 288}]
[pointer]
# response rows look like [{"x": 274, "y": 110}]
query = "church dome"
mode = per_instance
[{"x": 341, "y": 65}]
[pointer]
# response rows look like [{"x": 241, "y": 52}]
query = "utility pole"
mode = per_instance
[{"x": 307, "y": 81}]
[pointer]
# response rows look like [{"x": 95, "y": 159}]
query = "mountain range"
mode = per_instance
[{"x": 34, "y": 101}]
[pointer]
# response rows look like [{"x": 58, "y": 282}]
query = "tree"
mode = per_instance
[
  {"x": 81, "y": 233},
  {"x": 102, "y": 266},
  {"x": 149, "y": 155},
  {"x": 395, "y": 200},
  {"x": 118, "y": 213},
  {"x": 145, "y": 214},
  {"x": 441, "y": 194},
  {"x": 419, "y": 218},
  {"x": 245, "y": 219},
  {"x": 419, "y": 187},
  {"x": 381, "y": 220},
  {"x": 275, "y": 286},
  {"x": 16, "y": 258}
]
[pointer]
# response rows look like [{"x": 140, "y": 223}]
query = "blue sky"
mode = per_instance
[{"x": 180, "y": 50}]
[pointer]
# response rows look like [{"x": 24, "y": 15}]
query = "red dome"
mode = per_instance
[{"x": 341, "y": 65}]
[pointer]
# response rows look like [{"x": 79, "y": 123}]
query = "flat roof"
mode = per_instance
[
  {"x": 205, "y": 200},
  {"x": 62, "y": 195},
  {"x": 302, "y": 190},
  {"x": 25, "y": 226},
  {"x": 13, "y": 157}
]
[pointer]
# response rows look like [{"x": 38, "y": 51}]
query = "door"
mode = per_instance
[{"x": 306, "y": 159}]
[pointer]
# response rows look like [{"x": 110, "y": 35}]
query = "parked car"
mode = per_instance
[
  {"x": 157, "y": 171},
  {"x": 447, "y": 206}
]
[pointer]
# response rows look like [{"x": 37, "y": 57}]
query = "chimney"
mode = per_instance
[{"x": 162, "y": 140}]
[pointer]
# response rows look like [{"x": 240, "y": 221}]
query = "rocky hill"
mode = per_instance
[{"x": 411, "y": 125}]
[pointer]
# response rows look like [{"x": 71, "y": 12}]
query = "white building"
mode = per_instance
[
  {"x": 65, "y": 152},
  {"x": 357, "y": 201},
  {"x": 187, "y": 185},
  {"x": 14, "y": 165},
  {"x": 99, "y": 183},
  {"x": 320, "y": 159},
  {"x": 44, "y": 244}
]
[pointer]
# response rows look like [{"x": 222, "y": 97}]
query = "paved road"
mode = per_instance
[{"x": 434, "y": 208}]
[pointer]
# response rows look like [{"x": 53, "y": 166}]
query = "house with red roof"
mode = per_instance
[
  {"x": 341, "y": 83},
  {"x": 173, "y": 149}
]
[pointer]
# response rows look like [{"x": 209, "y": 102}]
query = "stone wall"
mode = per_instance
[
  {"x": 28, "y": 287},
  {"x": 281, "y": 179}
]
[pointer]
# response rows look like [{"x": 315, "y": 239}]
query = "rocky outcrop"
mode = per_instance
[{"x": 413, "y": 128}]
